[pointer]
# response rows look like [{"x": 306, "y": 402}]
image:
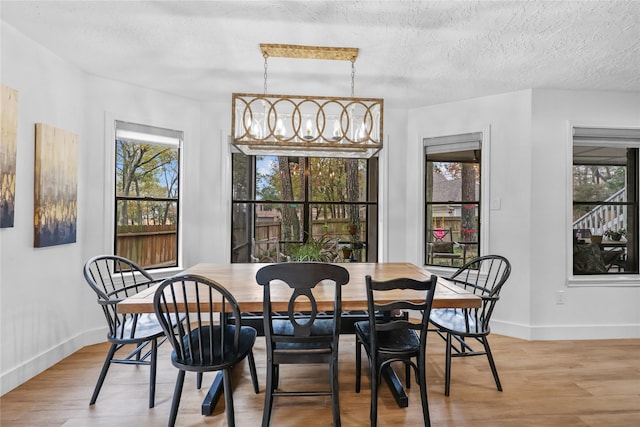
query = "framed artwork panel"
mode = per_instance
[
  {"x": 8, "y": 150},
  {"x": 56, "y": 186}
]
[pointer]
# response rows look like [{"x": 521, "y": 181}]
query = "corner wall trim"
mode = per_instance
[{"x": 32, "y": 367}]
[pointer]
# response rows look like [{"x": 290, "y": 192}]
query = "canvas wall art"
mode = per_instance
[
  {"x": 56, "y": 186},
  {"x": 8, "y": 149}
]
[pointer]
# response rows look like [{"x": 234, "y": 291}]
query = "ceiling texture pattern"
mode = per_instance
[{"x": 412, "y": 53}]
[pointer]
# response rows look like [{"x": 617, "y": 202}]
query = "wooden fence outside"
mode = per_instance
[{"x": 150, "y": 246}]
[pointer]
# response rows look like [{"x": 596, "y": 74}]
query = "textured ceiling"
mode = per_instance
[{"x": 412, "y": 53}]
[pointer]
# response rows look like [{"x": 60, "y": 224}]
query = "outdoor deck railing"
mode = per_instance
[{"x": 604, "y": 217}]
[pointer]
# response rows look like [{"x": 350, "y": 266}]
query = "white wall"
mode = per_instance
[
  {"x": 507, "y": 118},
  {"x": 43, "y": 305},
  {"x": 214, "y": 202},
  {"x": 588, "y": 312},
  {"x": 107, "y": 101},
  {"x": 393, "y": 188},
  {"x": 529, "y": 166},
  {"x": 46, "y": 309}
]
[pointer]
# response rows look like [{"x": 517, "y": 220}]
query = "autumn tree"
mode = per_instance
[
  {"x": 290, "y": 221},
  {"x": 146, "y": 170}
]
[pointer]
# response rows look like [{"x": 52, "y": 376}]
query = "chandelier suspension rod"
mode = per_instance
[
  {"x": 353, "y": 77},
  {"x": 266, "y": 56}
]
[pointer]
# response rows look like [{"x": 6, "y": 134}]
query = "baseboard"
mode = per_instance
[
  {"x": 565, "y": 332},
  {"x": 32, "y": 367}
]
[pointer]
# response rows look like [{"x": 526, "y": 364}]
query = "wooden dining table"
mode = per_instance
[{"x": 240, "y": 280}]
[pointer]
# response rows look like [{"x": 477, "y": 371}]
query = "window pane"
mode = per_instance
[
  {"x": 593, "y": 183},
  {"x": 147, "y": 196},
  {"x": 330, "y": 182},
  {"x": 342, "y": 226},
  {"x": 338, "y": 179},
  {"x": 455, "y": 181},
  {"x": 147, "y": 232},
  {"x": 605, "y": 210},
  {"x": 270, "y": 171},
  {"x": 241, "y": 176},
  {"x": 240, "y": 237},
  {"x": 452, "y": 195},
  {"x": 146, "y": 170}
]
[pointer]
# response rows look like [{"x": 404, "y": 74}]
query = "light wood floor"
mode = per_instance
[{"x": 555, "y": 383}]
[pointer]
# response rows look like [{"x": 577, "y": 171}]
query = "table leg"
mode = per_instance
[
  {"x": 212, "y": 397},
  {"x": 390, "y": 376},
  {"x": 395, "y": 385}
]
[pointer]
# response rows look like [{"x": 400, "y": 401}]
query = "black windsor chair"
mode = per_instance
[
  {"x": 206, "y": 341},
  {"x": 484, "y": 276},
  {"x": 114, "y": 278}
]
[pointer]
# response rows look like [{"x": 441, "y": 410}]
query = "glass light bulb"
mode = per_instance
[
  {"x": 280, "y": 130},
  {"x": 337, "y": 131},
  {"x": 362, "y": 132},
  {"x": 256, "y": 131}
]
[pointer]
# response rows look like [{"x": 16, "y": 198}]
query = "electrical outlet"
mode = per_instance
[{"x": 559, "y": 297}]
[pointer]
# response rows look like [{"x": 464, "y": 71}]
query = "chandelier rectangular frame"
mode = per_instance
[
  {"x": 290, "y": 125},
  {"x": 300, "y": 125}
]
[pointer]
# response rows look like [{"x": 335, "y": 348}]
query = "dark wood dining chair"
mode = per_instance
[
  {"x": 484, "y": 276},
  {"x": 395, "y": 338},
  {"x": 114, "y": 278},
  {"x": 305, "y": 336},
  {"x": 205, "y": 341}
]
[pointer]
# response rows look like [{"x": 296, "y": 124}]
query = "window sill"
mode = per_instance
[
  {"x": 163, "y": 273},
  {"x": 440, "y": 270},
  {"x": 608, "y": 281}
]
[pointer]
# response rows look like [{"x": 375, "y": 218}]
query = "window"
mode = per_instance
[
  {"x": 147, "y": 194},
  {"x": 307, "y": 209},
  {"x": 605, "y": 201},
  {"x": 452, "y": 199}
]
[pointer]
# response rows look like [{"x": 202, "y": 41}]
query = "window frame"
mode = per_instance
[
  {"x": 372, "y": 206},
  {"x": 161, "y": 136},
  {"x": 457, "y": 138},
  {"x": 591, "y": 280}
]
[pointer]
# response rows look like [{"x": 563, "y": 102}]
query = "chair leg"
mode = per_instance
[
  {"x": 276, "y": 376},
  {"x": 199, "y": 380},
  {"x": 228, "y": 398},
  {"x": 447, "y": 366},
  {"x": 268, "y": 394},
  {"x": 422, "y": 382},
  {"x": 254, "y": 374},
  {"x": 152, "y": 375},
  {"x": 177, "y": 394},
  {"x": 492, "y": 364},
  {"x": 375, "y": 374},
  {"x": 335, "y": 400},
  {"x": 358, "y": 363},
  {"x": 103, "y": 372},
  {"x": 407, "y": 374}
]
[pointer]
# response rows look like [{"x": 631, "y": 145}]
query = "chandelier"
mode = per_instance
[{"x": 297, "y": 125}]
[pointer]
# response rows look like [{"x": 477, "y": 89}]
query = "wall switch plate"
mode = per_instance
[
  {"x": 496, "y": 203},
  {"x": 559, "y": 297}
]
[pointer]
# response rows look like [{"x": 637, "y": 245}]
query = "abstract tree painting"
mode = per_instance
[
  {"x": 56, "y": 186},
  {"x": 9, "y": 109}
]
